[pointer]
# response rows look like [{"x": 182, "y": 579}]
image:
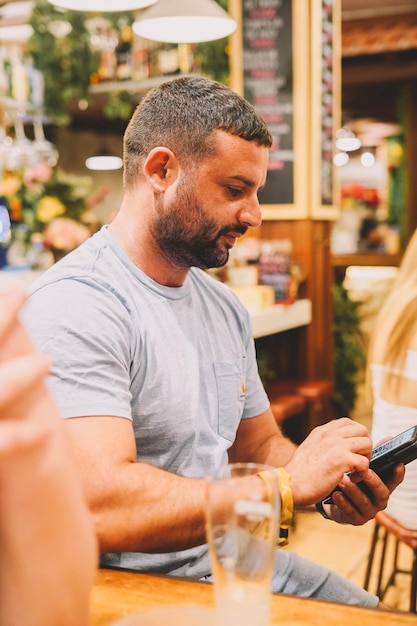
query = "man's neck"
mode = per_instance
[{"x": 146, "y": 255}]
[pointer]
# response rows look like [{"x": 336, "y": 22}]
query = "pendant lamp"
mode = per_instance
[
  {"x": 14, "y": 18},
  {"x": 346, "y": 140},
  {"x": 103, "y": 5},
  {"x": 104, "y": 160},
  {"x": 17, "y": 33},
  {"x": 184, "y": 21}
]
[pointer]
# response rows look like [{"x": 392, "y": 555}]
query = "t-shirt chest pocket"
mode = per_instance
[{"x": 230, "y": 380}]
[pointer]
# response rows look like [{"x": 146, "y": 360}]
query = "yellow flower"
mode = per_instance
[
  {"x": 15, "y": 206},
  {"x": 9, "y": 185},
  {"x": 49, "y": 208}
]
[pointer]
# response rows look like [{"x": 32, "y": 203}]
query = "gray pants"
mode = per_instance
[
  {"x": 301, "y": 577},
  {"x": 297, "y": 576}
]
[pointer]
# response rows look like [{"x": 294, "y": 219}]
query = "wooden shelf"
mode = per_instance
[
  {"x": 365, "y": 258},
  {"x": 135, "y": 87},
  {"x": 19, "y": 105},
  {"x": 280, "y": 317}
]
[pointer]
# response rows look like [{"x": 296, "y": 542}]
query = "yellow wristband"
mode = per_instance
[{"x": 287, "y": 501}]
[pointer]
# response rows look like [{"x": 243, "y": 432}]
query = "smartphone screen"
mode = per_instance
[
  {"x": 399, "y": 449},
  {"x": 395, "y": 444}
]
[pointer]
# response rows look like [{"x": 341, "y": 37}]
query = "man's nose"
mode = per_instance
[{"x": 251, "y": 214}]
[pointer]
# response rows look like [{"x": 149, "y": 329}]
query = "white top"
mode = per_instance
[{"x": 389, "y": 420}]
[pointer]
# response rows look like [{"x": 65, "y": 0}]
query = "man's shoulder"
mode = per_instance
[
  {"x": 219, "y": 295},
  {"x": 83, "y": 264},
  {"x": 210, "y": 282}
]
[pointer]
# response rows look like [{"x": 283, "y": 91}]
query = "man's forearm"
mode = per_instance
[
  {"x": 278, "y": 451},
  {"x": 147, "y": 509}
]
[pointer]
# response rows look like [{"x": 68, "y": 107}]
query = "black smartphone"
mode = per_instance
[{"x": 400, "y": 449}]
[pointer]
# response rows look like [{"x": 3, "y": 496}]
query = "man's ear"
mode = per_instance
[{"x": 161, "y": 168}]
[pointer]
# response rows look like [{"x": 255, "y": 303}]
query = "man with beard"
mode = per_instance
[{"x": 154, "y": 360}]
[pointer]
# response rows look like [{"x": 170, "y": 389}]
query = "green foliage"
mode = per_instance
[
  {"x": 349, "y": 353},
  {"x": 119, "y": 105},
  {"x": 212, "y": 56},
  {"x": 265, "y": 368},
  {"x": 397, "y": 184},
  {"x": 67, "y": 62}
]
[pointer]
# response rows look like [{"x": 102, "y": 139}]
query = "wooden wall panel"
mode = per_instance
[{"x": 312, "y": 347}]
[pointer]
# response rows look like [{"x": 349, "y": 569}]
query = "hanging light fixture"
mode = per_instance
[
  {"x": 340, "y": 159},
  {"x": 346, "y": 140},
  {"x": 103, "y": 5},
  {"x": 14, "y": 17},
  {"x": 184, "y": 21},
  {"x": 17, "y": 33},
  {"x": 104, "y": 161},
  {"x": 368, "y": 157}
]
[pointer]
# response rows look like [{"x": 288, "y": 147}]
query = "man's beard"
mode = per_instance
[{"x": 187, "y": 236}]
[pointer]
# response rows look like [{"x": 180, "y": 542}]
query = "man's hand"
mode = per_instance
[
  {"x": 351, "y": 505},
  {"x": 323, "y": 458}
]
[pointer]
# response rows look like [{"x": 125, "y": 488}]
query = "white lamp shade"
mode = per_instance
[
  {"x": 341, "y": 158},
  {"x": 103, "y": 5},
  {"x": 16, "y": 33},
  {"x": 367, "y": 159},
  {"x": 184, "y": 21},
  {"x": 348, "y": 144},
  {"x": 346, "y": 140},
  {"x": 104, "y": 163}
]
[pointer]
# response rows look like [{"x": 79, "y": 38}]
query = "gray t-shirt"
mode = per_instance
[{"x": 179, "y": 362}]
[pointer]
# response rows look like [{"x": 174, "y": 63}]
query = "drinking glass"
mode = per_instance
[{"x": 242, "y": 524}]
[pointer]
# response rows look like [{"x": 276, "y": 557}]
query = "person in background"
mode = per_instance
[
  {"x": 154, "y": 362},
  {"x": 392, "y": 376},
  {"x": 47, "y": 542},
  {"x": 371, "y": 236}
]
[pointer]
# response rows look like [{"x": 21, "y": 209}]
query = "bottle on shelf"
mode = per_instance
[
  {"x": 19, "y": 77},
  {"x": 36, "y": 83},
  {"x": 108, "y": 62},
  {"x": 168, "y": 60},
  {"x": 124, "y": 53},
  {"x": 140, "y": 64},
  {"x": 5, "y": 90},
  {"x": 5, "y": 232}
]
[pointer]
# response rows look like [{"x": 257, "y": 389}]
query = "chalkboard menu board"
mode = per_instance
[
  {"x": 285, "y": 61},
  {"x": 268, "y": 85}
]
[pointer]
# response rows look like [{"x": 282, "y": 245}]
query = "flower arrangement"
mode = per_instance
[
  {"x": 358, "y": 196},
  {"x": 50, "y": 207}
]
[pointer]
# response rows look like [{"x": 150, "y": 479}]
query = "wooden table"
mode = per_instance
[{"x": 120, "y": 593}]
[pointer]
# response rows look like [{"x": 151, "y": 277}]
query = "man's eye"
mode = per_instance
[{"x": 234, "y": 192}]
